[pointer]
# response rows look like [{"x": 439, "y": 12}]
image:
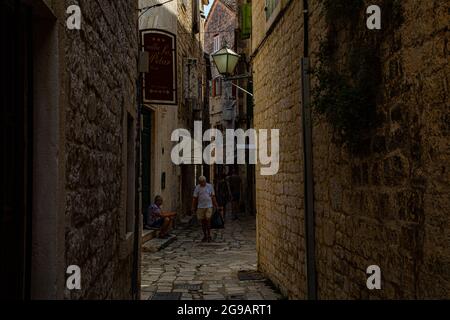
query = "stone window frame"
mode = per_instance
[
  {"x": 210, "y": 87},
  {"x": 217, "y": 87},
  {"x": 272, "y": 18},
  {"x": 275, "y": 6},
  {"x": 216, "y": 42}
]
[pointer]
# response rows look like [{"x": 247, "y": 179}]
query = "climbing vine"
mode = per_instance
[{"x": 348, "y": 81}]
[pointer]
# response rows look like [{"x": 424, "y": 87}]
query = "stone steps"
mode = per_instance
[
  {"x": 148, "y": 235},
  {"x": 184, "y": 222},
  {"x": 156, "y": 244}
]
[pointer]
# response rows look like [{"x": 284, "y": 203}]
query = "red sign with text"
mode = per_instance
[{"x": 160, "y": 83}]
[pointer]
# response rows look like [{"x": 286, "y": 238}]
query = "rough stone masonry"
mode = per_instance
[
  {"x": 101, "y": 70},
  {"x": 388, "y": 207}
]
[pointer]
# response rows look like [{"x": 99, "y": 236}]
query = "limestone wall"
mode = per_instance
[
  {"x": 101, "y": 68},
  {"x": 221, "y": 22},
  {"x": 388, "y": 205},
  {"x": 279, "y": 198}
]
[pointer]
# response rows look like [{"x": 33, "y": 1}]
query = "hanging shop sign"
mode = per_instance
[{"x": 160, "y": 82}]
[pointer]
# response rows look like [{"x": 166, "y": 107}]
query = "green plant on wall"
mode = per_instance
[
  {"x": 348, "y": 98},
  {"x": 349, "y": 78}
]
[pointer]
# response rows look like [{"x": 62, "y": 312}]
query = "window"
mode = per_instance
[
  {"x": 271, "y": 7},
  {"x": 217, "y": 87},
  {"x": 190, "y": 78},
  {"x": 216, "y": 43}
]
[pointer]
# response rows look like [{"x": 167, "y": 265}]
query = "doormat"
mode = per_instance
[
  {"x": 250, "y": 276},
  {"x": 166, "y": 296},
  {"x": 187, "y": 286}
]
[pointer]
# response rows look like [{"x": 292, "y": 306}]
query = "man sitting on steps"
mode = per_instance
[{"x": 158, "y": 219}]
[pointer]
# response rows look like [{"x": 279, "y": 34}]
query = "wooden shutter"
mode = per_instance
[
  {"x": 246, "y": 20},
  {"x": 219, "y": 86}
]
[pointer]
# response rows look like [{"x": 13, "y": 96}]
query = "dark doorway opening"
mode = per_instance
[
  {"x": 16, "y": 125},
  {"x": 146, "y": 158}
]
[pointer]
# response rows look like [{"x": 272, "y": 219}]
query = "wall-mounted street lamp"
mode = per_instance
[{"x": 226, "y": 61}]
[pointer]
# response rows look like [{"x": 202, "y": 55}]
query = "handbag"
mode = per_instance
[{"x": 217, "y": 220}]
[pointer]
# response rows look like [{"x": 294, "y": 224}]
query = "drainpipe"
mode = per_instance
[{"x": 308, "y": 162}]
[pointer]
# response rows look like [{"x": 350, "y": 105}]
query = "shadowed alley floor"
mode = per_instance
[{"x": 188, "y": 269}]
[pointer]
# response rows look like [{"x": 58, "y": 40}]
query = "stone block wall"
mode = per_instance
[
  {"x": 279, "y": 198},
  {"x": 101, "y": 74},
  {"x": 387, "y": 206},
  {"x": 221, "y": 21}
]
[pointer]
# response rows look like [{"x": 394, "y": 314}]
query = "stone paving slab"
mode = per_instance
[
  {"x": 157, "y": 244},
  {"x": 213, "y": 267}
]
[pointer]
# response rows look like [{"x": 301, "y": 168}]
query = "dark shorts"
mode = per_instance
[
  {"x": 158, "y": 223},
  {"x": 236, "y": 196}
]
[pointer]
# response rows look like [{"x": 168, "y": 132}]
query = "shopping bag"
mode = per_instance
[{"x": 217, "y": 220}]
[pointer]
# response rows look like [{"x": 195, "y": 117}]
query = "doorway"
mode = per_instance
[
  {"x": 16, "y": 125},
  {"x": 147, "y": 137}
]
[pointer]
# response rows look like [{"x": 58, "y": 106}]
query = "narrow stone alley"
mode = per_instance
[
  {"x": 188, "y": 269},
  {"x": 326, "y": 121}
]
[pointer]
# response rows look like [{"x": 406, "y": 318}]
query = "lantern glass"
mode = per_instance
[{"x": 226, "y": 61}]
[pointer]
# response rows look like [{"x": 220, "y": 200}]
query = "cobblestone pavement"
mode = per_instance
[{"x": 207, "y": 271}]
